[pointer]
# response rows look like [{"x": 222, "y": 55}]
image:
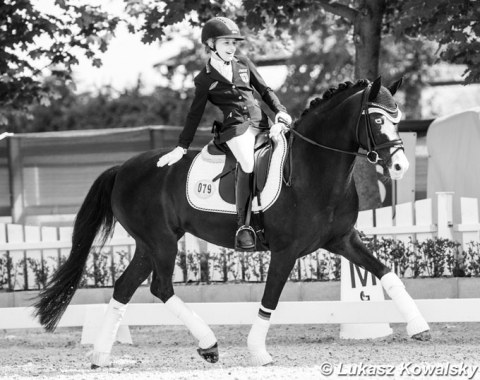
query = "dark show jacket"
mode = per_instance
[{"x": 240, "y": 109}]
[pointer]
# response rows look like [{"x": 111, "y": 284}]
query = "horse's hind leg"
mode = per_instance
[
  {"x": 134, "y": 275},
  {"x": 353, "y": 249},
  {"x": 162, "y": 287}
]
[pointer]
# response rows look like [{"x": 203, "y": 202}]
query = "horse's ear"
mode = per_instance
[
  {"x": 393, "y": 88},
  {"x": 377, "y": 83}
]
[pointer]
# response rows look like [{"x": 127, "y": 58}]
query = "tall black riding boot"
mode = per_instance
[{"x": 245, "y": 236}]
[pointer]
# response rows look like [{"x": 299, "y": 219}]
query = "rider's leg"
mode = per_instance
[{"x": 242, "y": 148}]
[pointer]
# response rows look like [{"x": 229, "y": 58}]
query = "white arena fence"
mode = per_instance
[{"x": 417, "y": 221}]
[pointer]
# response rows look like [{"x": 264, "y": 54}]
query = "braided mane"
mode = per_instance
[{"x": 332, "y": 92}]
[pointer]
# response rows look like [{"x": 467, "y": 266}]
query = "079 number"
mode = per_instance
[{"x": 204, "y": 188}]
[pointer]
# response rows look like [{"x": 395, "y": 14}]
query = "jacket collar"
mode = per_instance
[
  {"x": 209, "y": 66},
  {"x": 216, "y": 75}
]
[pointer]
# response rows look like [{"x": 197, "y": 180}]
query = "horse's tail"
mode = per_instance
[{"x": 95, "y": 217}]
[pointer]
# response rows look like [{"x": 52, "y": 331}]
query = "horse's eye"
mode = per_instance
[{"x": 379, "y": 120}]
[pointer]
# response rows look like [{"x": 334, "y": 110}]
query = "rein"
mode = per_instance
[{"x": 371, "y": 148}]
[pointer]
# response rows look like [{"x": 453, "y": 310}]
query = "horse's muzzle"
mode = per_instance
[{"x": 399, "y": 165}]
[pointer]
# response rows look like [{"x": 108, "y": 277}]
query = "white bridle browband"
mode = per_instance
[{"x": 388, "y": 115}]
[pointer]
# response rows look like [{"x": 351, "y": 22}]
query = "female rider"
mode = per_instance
[{"x": 228, "y": 81}]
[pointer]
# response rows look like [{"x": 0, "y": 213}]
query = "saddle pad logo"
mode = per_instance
[{"x": 204, "y": 189}]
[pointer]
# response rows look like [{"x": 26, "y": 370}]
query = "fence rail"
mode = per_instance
[
  {"x": 423, "y": 219},
  {"x": 233, "y": 313},
  {"x": 29, "y": 254}
]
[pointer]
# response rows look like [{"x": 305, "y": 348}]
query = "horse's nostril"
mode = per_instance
[{"x": 397, "y": 167}]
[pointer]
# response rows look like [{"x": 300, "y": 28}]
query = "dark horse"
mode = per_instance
[{"x": 317, "y": 210}]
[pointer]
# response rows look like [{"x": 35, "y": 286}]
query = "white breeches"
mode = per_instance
[{"x": 242, "y": 148}]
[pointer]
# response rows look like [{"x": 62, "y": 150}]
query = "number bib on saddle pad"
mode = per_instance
[{"x": 205, "y": 194}]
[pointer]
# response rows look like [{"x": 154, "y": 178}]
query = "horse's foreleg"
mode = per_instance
[
  {"x": 256, "y": 341},
  {"x": 136, "y": 273},
  {"x": 417, "y": 326},
  {"x": 278, "y": 272},
  {"x": 353, "y": 249}
]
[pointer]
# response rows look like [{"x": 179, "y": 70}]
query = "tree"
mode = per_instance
[
  {"x": 76, "y": 30},
  {"x": 455, "y": 25},
  {"x": 107, "y": 109}
]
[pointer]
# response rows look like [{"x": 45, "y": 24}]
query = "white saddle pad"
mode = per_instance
[{"x": 203, "y": 194}]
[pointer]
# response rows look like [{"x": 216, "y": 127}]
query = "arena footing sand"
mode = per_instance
[{"x": 299, "y": 352}]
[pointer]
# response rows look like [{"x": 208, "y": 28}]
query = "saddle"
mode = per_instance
[
  {"x": 210, "y": 183},
  {"x": 263, "y": 155}
]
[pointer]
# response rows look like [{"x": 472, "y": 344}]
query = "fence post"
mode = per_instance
[
  {"x": 445, "y": 215},
  {"x": 469, "y": 227},
  {"x": 15, "y": 169}
]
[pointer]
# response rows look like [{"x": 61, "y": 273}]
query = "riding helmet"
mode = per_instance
[{"x": 220, "y": 27}]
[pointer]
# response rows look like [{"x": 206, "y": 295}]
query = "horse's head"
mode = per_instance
[{"x": 380, "y": 117}]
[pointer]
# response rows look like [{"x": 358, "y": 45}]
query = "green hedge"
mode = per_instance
[{"x": 430, "y": 258}]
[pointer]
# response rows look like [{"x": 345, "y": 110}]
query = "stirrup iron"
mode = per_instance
[{"x": 253, "y": 235}]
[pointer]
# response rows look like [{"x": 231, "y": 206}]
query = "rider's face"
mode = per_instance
[{"x": 226, "y": 48}]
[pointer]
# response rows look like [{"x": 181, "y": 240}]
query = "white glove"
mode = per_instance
[
  {"x": 171, "y": 157},
  {"x": 277, "y": 129},
  {"x": 283, "y": 117}
]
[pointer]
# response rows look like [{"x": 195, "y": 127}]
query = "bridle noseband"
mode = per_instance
[{"x": 372, "y": 147}]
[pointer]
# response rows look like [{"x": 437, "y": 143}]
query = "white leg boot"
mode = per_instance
[
  {"x": 395, "y": 288},
  {"x": 197, "y": 326},
  {"x": 108, "y": 332},
  {"x": 256, "y": 341}
]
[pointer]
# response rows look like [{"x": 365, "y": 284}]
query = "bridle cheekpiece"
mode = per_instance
[{"x": 392, "y": 114}]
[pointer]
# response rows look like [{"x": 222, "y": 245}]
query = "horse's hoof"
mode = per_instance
[
  {"x": 261, "y": 359},
  {"x": 209, "y": 354},
  {"x": 99, "y": 359},
  {"x": 424, "y": 336}
]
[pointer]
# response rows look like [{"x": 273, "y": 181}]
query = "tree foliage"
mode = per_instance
[
  {"x": 77, "y": 30},
  {"x": 108, "y": 109},
  {"x": 454, "y": 24}
]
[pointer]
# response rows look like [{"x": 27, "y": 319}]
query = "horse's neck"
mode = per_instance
[
  {"x": 334, "y": 127},
  {"x": 313, "y": 164},
  {"x": 331, "y": 168}
]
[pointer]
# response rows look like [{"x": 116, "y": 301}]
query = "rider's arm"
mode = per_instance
[
  {"x": 265, "y": 92},
  {"x": 196, "y": 112}
]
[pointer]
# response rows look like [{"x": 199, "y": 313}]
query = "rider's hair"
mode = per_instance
[{"x": 209, "y": 42}]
